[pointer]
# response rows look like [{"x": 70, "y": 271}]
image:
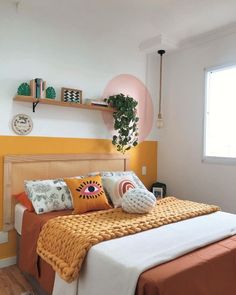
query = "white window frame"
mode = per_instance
[{"x": 205, "y": 158}]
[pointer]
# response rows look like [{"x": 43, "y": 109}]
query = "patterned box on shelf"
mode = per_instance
[{"x": 71, "y": 95}]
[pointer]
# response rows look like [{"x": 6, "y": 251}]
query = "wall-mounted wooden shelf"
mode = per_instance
[{"x": 36, "y": 101}]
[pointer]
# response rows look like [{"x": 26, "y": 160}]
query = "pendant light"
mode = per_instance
[{"x": 159, "y": 116}]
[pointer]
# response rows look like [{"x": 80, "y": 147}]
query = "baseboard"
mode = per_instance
[{"x": 7, "y": 261}]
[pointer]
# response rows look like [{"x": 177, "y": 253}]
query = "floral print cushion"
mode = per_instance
[{"x": 48, "y": 195}]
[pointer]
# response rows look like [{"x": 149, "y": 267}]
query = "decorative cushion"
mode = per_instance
[
  {"x": 87, "y": 194},
  {"x": 130, "y": 174},
  {"x": 110, "y": 186},
  {"x": 23, "y": 199},
  {"x": 116, "y": 187},
  {"x": 138, "y": 201},
  {"x": 48, "y": 195}
]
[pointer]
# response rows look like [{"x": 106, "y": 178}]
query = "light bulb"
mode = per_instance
[{"x": 160, "y": 122}]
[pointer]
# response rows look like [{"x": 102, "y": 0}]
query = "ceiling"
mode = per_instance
[{"x": 137, "y": 19}]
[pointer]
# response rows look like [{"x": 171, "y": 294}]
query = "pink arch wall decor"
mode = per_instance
[{"x": 132, "y": 86}]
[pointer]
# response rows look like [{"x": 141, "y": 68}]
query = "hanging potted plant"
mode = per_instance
[{"x": 125, "y": 121}]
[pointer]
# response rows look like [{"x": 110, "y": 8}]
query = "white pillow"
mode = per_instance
[
  {"x": 138, "y": 201},
  {"x": 48, "y": 195},
  {"x": 116, "y": 187}
]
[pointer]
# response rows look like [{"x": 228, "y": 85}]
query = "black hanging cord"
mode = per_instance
[{"x": 161, "y": 52}]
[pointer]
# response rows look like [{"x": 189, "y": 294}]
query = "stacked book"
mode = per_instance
[
  {"x": 38, "y": 87},
  {"x": 100, "y": 103}
]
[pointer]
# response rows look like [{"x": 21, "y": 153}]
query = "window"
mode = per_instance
[{"x": 220, "y": 113}]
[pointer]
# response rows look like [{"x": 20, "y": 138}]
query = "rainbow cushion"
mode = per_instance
[{"x": 117, "y": 186}]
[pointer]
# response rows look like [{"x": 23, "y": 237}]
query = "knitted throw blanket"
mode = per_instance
[{"x": 64, "y": 241}]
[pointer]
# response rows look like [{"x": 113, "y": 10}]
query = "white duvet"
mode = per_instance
[{"x": 113, "y": 267}]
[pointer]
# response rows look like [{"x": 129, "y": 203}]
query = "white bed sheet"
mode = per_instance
[
  {"x": 19, "y": 212},
  {"x": 113, "y": 267}
]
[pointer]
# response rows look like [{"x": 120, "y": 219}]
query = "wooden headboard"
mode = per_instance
[{"x": 18, "y": 168}]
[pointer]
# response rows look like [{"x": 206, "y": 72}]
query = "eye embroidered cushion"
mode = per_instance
[{"x": 87, "y": 194}]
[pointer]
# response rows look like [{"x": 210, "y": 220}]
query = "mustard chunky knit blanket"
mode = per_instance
[{"x": 64, "y": 241}]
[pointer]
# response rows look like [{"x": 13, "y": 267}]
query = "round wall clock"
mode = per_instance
[{"x": 22, "y": 124}]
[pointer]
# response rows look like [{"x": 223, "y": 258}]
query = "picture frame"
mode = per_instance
[
  {"x": 71, "y": 95},
  {"x": 158, "y": 192}
]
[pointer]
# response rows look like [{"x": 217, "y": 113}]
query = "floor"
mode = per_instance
[{"x": 12, "y": 282}]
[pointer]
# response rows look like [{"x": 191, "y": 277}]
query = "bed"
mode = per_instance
[{"x": 208, "y": 270}]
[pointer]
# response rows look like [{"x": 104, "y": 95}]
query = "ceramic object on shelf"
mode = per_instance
[
  {"x": 50, "y": 93},
  {"x": 22, "y": 124},
  {"x": 24, "y": 89}
]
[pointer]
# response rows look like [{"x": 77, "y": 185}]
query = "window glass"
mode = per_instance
[{"x": 220, "y": 113}]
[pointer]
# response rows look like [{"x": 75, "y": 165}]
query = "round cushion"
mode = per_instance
[{"x": 138, "y": 200}]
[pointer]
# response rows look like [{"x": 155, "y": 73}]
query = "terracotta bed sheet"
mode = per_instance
[{"x": 208, "y": 271}]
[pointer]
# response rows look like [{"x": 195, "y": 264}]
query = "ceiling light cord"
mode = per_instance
[
  {"x": 17, "y": 5},
  {"x": 159, "y": 117}
]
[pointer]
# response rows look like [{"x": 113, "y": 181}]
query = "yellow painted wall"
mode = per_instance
[{"x": 145, "y": 154}]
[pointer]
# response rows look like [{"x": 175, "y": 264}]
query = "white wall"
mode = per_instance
[
  {"x": 180, "y": 150},
  {"x": 66, "y": 50}
]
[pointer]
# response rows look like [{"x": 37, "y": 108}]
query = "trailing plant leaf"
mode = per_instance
[{"x": 125, "y": 121}]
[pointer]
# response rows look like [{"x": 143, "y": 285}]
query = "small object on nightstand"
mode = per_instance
[{"x": 159, "y": 190}]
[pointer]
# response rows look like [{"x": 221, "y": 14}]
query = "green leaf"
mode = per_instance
[{"x": 125, "y": 119}]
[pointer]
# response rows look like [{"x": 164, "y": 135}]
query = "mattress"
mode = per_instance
[
  {"x": 19, "y": 213},
  {"x": 214, "y": 261}
]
